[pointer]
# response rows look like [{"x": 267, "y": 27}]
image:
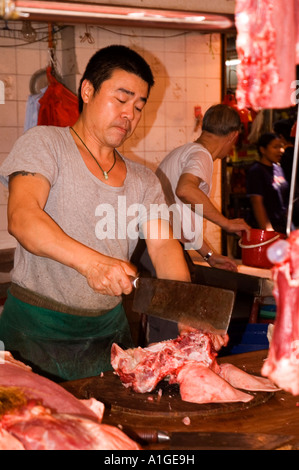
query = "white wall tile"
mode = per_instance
[
  {"x": 3, "y": 195},
  {"x": 176, "y": 89},
  {"x": 175, "y": 137},
  {"x": 212, "y": 90},
  {"x": 27, "y": 60},
  {"x": 8, "y": 114},
  {"x": 8, "y": 61},
  {"x": 212, "y": 66},
  {"x": 195, "y": 65},
  {"x": 155, "y": 114},
  {"x": 10, "y": 87},
  {"x": 3, "y": 219},
  {"x": 155, "y": 138},
  {"x": 186, "y": 66},
  {"x": 156, "y": 61},
  {"x": 8, "y": 135},
  {"x": 176, "y": 112},
  {"x": 23, "y": 90},
  {"x": 175, "y": 63},
  {"x": 195, "y": 90}
]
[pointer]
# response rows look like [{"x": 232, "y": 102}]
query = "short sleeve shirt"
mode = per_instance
[
  {"x": 190, "y": 158},
  {"x": 105, "y": 218},
  {"x": 270, "y": 183}
]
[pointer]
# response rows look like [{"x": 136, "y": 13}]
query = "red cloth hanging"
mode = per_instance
[{"x": 58, "y": 106}]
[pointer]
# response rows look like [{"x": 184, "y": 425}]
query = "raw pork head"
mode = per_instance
[
  {"x": 190, "y": 361},
  {"x": 142, "y": 369}
]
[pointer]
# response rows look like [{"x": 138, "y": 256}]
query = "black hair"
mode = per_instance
[
  {"x": 221, "y": 120},
  {"x": 265, "y": 140},
  {"x": 105, "y": 61},
  {"x": 283, "y": 127}
]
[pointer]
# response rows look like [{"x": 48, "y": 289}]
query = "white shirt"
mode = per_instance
[{"x": 189, "y": 158}]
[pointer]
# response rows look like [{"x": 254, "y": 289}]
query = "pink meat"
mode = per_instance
[
  {"x": 36, "y": 428},
  {"x": 297, "y": 30},
  {"x": 240, "y": 379},
  {"x": 282, "y": 364},
  {"x": 266, "y": 46},
  {"x": 16, "y": 374},
  {"x": 142, "y": 369},
  {"x": 8, "y": 441},
  {"x": 199, "y": 384},
  {"x": 53, "y": 419},
  {"x": 190, "y": 361}
]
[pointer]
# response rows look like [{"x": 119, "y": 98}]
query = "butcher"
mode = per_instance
[{"x": 64, "y": 308}]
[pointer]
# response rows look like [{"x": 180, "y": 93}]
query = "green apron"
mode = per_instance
[{"x": 59, "y": 345}]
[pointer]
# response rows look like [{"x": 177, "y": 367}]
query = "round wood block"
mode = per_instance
[{"x": 165, "y": 400}]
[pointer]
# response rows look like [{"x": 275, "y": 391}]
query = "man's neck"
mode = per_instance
[{"x": 211, "y": 142}]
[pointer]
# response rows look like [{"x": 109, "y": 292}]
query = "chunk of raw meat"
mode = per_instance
[
  {"x": 190, "y": 361},
  {"x": 240, "y": 379},
  {"x": 16, "y": 374},
  {"x": 199, "y": 384},
  {"x": 9, "y": 442},
  {"x": 45, "y": 416},
  {"x": 142, "y": 369},
  {"x": 36, "y": 428},
  {"x": 282, "y": 363}
]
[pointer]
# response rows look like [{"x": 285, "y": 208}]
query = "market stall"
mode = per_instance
[{"x": 82, "y": 384}]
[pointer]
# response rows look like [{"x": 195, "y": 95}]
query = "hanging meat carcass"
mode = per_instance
[
  {"x": 267, "y": 33},
  {"x": 282, "y": 364}
]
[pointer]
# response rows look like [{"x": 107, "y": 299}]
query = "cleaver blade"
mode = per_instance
[{"x": 202, "y": 307}]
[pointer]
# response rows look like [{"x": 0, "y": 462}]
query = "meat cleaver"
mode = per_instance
[{"x": 202, "y": 307}]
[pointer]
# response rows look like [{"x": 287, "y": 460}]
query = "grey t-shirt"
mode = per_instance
[{"x": 100, "y": 216}]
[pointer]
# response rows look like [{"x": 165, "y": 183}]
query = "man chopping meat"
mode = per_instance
[{"x": 67, "y": 191}]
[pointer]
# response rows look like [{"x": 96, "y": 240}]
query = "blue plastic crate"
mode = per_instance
[{"x": 254, "y": 339}]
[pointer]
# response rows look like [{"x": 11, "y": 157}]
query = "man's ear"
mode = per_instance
[
  {"x": 86, "y": 90},
  {"x": 233, "y": 136}
]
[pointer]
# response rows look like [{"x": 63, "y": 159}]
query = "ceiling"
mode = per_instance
[
  {"x": 214, "y": 15},
  {"x": 213, "y": 6}
]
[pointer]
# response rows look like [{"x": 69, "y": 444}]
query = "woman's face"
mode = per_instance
[{"x": 272, "y": 153}]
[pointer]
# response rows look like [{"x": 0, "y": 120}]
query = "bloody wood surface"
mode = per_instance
[
  {"x": 276, "y": 415},
  {"x": 164, "y": 402}
]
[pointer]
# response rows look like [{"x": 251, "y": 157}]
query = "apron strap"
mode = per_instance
[{"x": 37, "y": 300}]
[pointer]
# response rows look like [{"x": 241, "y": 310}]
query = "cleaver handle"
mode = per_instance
[
  {"x": 134, "y": 280},
  {"x": 147, "y": 435}
]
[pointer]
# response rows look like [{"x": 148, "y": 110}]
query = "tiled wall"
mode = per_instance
[{"x": 187, "y": 74}]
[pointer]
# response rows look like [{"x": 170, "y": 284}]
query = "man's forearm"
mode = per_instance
[
  {"x": 166, "y": 253},
  {"x": 40, "y": 235},
  {"x": 169, "y": 262},
  {"x": 188, "y": 192}
]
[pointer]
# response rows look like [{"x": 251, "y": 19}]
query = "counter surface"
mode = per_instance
[{"x": 271, "y": 419}]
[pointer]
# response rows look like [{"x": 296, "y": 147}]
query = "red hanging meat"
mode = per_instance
[
  {"x": 282, "y": 364},
  {"x": 266, "y": 45}
]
